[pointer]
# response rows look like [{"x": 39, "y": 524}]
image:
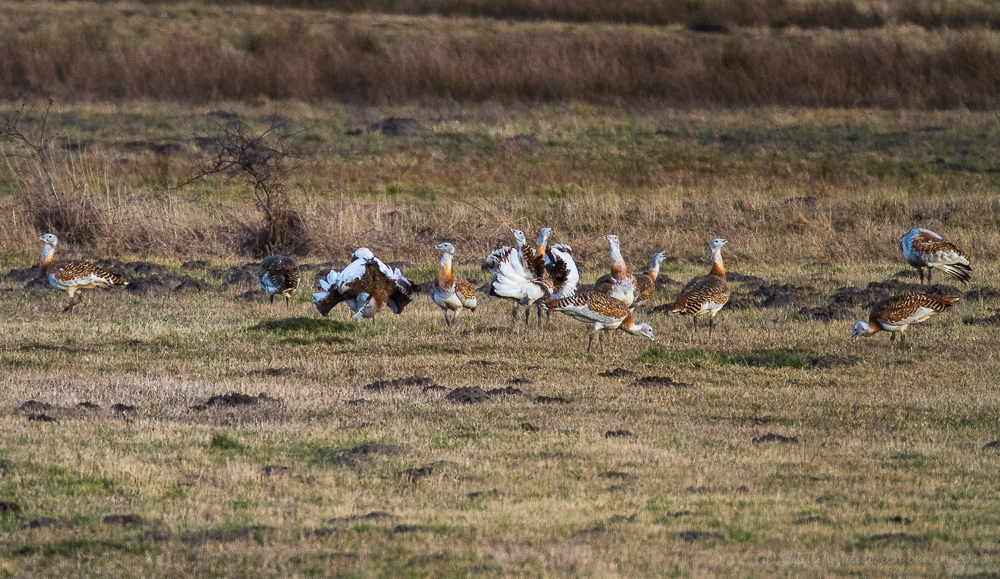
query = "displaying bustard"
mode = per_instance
[
  {"x": 897, "y": 313},
  {"x": 72, "y": 276},
  {"x": 279, "y": 274},
  {"x": 705, "y": 295},
  {"x": 605, "y": 313},
  {"x": 620, "y": 284},
  {"x": 448, "y": 293},
  {"x": 645, "y": 283},
  {"x": 526, "y": 280},
  {"x": 514, "y": 280},
  {"x": 923, "y": 248},
  {"x": 366, "y": 285}
]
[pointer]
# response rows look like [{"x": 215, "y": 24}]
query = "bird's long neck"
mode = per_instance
[
  {"x": 717, "y": 268},
  {"x": 47, "y": 254},
  {"x": 619, "y": 270},
  {"x": 444, "y": 277},
  {"x": 654, "y": 269}
]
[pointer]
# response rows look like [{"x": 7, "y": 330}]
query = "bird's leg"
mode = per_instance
[
  {"x": 920, "y": 270},
  {"x": 711, "y": 323},
  {"x": 902, "y": 340},
  {"x": 892, "y": 337},
  {"x": 288, "y": 302},
  {"x": 600, "y": 340},
  {"x": 538, "y": 313},
  {"x": 527, "y": 312},
  {"x": 929, "y": 270},
  {"x": 72, "y": 302},
  {"x": 591, "y": 342},
  {"x": 272, "y": 299},
  {"x": 513, "y": 315}
]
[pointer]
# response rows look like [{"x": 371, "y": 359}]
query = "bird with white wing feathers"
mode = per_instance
[{"x": 366, "y": 285}]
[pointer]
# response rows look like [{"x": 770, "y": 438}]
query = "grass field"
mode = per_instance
[
  {"x": 573, "y": 473},
  {"x": 775, "y": 447}
]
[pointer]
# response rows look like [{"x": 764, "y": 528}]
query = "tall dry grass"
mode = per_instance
[{"x": 89, "y": 52}]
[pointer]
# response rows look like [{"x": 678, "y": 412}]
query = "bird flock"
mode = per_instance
[{"x": 545, "y": 277}]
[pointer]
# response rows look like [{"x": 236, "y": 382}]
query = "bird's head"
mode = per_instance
[
  {"x": 446, "y": 247},
  {"x": 543, "y": 235},
  {"x": 364, "y": 253},
  {"x": 49, "y": 239},
  {"x": 519, "y": 237},
  {"x": 861, "y": 329},
  {"x": 716, "y": 243},
  {"x": 643, "y": 329}
]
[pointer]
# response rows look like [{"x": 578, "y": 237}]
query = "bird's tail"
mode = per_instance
[
  {"x": 514, "y": 281},
  {"x": 959, "y": 271}
]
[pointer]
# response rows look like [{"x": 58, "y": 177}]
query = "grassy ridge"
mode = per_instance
[{"x": 205, "y": 53}]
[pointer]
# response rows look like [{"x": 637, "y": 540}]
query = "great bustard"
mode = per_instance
[
  {"x": 923, "y": 248},
  {"x": 279, "y": 274},
  {"x": 72, "y": 276},
  {"x": 620, "y": 284},
  {"x": 705, "y": 295},
  {"x": 514, "y": 280},
  {"x": 605, "y": 313},
  {"x": 645, "y": 283},
  {"x": 366, "y": 284},
  {"x": 526, "y": 279},
  {"x": 448, "y": 293},
  {"x": 897, "y": 313}
]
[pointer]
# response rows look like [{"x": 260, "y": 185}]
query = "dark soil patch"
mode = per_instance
[
  {"x": 828, "y": 313},
  {"x": 273, "y": 372},
  {"x": 617, "y": 373},
  {"x": 493, "y": 493},
  {"x": 124, "y": 520},
  {"x": 771, "y": 437},
  {"x": 35, "y": 406},
  {"x": 187, "y": 282},
  {"x": 520, "y": 381},
  {"x": 780, "y": 296},
  {"x": 137, "y": 267},
  {"x": 42, "y": 418},
  {"x": 692, "y": 536},
  {"x": 49, "y": 523},
  {"x": 591, "y": 531},
  {"x": 335, "y": 556},
  {"x": 276, "y": 470},
  {"x": 372, "y": 516},
  {"x": 552, "y": 400},
  {"x": 702, "y": 490},
  {"x": 195, "y": 264},
  {"x": 412, "y": 529},
  {"x": 666, "y": 381},
  {"x": 250, "y": 295},
  {"x": 23, "y": 275},
  {"x": 6, "y": 507},
  {"x": 529, "y": 427},
  {"x": 242, "y": 275},
  {"x": 751, "y": 281},
  {"x": 993, "y": 320},
  {"x": 618, "y": 434},
  {"x": 505, "y": 391},
  {"x": 254, "y": 532},
  {"x": 150, "y": 536},
  {"x": 434, "y": 388},
  {"x": 614, "y": 474},
  {"x": 358, "y": 456},
  {"x": 87, "y": 405},
  {"x": 238, "y": 399},
  {"x": 982, "y": 293},
  {"x": 737, "y": 301},
  {"x": 154, "y": 285},
  {"x": 828, "y": 362},
  {"x": 678, "y": 514},
  {"x": 989, "y": 445},
  {"x": 467, "y": 395},
  {"x": 415, "y": 474},
  {"x": 899, "y": 520},
  {"x": 392, "y": 127},
  {"x": 380, "y": 385},
  {"x": 481, "y": 363},
  {"x": 907, "y": 273}
]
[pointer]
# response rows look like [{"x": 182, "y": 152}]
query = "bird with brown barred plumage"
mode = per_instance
[
  {"x": 705, "y": 295},
  {"x": 897, "y": 313},
  {"x": 604, "y": 312},
  {"x": 645, "y": 283},
  {"x": 923, "y": 248},
  {"x": 366, "y": 285},
  {"x": 620, "y": 284},
  {"x": 72, "y": 276},
  {"x": 279, "y": 274},
  {"x": 448, "y": 293}
]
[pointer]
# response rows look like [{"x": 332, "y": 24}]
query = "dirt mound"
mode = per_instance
[
  {"x": 357, "y": 456},
  {"x": 141, "y": 267},
  {"x": 751, "y": 281},
  {"x": 618, "y": 434},
  {"x": 249, "y": 295},
  {"x": 529, "y": 427},
  {"x": 272, "y": 372},
  {"x": 154, "y": 285},
  {"x": 617, "y": 373},
  {"x": 664, "y": 282},
  {"x": 741, "y": 301},
  {"x": 551, "y": 400},
  {"x": 412, "y": 529},
  {"x": 23, "y": 275},
  {"x": 982, "y": 293},
  {"x": 772, "y": 437},
  {"x": 186, "y": 282},
  {"x": 381, "y": 385},
  {"x": 467, "y": 395},
  {"x": 235, "y": 399},
  {"x": 124, "y": 520},
  {"x": 415, "y": 474},
  {"x": 123, "y": 408},
  {"x": 692, "y": 536},
  {"x": 195, "y": 264},
  {"x": 49, "y": 523},
  {"x": 989, "y": 445},
  {"x": 241, "y": 275},
  {"x": 829, "y": 313},
  {"x": 372, "y": 516},
  {"x": 505, "y": 391},
  {"x": 88, "y": 405},
  {"x": 35, "y": 406},
  {"x": 6, "y": 507},
  {"x": 520, "y": 381},
  {"x": 41, "y": 418},
  {"x": 666, "y": 381},
  {"x": 392, "y": 127},
  {"x": 781, "y": 296}
]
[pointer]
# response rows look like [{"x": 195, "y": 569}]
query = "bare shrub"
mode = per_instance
[{"x": 261, "y": 160}]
